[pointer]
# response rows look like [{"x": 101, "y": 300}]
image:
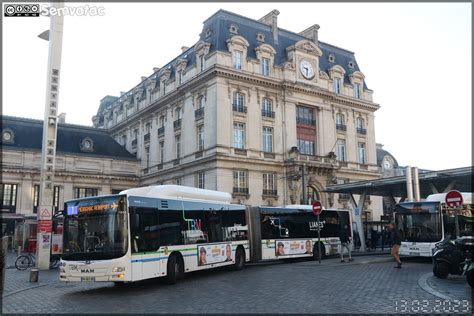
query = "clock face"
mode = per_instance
[
  {"x": 387, "y": 164},
  {"x": 306, "y": 69}
]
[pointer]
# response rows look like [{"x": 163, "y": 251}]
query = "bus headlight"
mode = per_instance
[{"x": 118, "y": 269}]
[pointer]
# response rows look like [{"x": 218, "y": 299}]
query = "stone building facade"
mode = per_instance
[
  {"x": 88, "y": 162},
  {"x": 246, "y": 110}
]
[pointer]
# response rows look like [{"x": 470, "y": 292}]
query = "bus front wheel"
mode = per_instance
[{"x": 175, "y": 269}]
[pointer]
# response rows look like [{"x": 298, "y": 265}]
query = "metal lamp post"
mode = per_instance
[{"x": 48, "y": 153}]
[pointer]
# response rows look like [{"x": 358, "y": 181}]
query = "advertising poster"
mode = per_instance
[
  {"x": 293, "y": 247},
  {"x": 209, "y": 254},
  {"x": 57, "y": 241}
]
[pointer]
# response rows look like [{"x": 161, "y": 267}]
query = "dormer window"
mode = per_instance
[
  {"x": 208, "y": 32},
  {"x": 260, "y": 37},
  {"x": 87, "y": 145},
  {"x": 357, "y": 90},
  {"x": 237, "y": 58},
  {"x": 265, "y": 67},
  {"x": 332, "y": 58},
  {"x": 180, "y": 77},
  {"x": 234, "y": 29},
  {"x": 202, "y": 62},
  {"x": 336, "y": 85}
]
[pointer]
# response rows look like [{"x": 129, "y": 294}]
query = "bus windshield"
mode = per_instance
[
  {"x": 95, "y": 229},
  {"x": 419, "y": 222}
]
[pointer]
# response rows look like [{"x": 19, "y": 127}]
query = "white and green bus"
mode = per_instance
[{"x": 169, "y": 230}]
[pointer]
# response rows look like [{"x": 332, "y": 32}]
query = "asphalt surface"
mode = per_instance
[{"x": 369, "y": 284}]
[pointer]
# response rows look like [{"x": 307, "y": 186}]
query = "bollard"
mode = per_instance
[
  {"x": 18, "y": 251},
  {"x": 34, "y": 275}
]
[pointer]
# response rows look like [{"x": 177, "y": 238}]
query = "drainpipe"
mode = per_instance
[{"x": 409, "y": 184}]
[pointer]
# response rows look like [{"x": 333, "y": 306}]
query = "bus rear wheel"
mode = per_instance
[
  {"x": 175, "y": 269},
  {"x": 316, "y": 251},
  {"x": 239, "y": 259}
]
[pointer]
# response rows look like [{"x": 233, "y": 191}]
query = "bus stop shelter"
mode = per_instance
[{"x": 430, "y": 182}]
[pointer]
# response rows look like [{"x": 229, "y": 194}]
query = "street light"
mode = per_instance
[{"x": 48, "y": 153}]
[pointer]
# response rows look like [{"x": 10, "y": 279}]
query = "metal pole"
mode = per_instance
[
  {"x": 319, "y": 241},
  {"x": 303, "y": 179},
  {"x": 456, "y": 221},
  {"x": 48, "y": 153}
]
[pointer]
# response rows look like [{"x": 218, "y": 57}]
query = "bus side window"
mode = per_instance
[{"x": 170, "y": 225}]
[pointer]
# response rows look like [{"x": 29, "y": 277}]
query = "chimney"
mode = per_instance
[
  {"x": 144, "y": 78},
  {"x": 311, "y": 33},
  {"x": 272, "y": 20},
  {"x": 184, "y": 48},
  {"x": 122, "y": 93},
  {"x": 156, "y": 69},
  {"x": 62, "y": 118},
  {"x": 409, "y": 184}
]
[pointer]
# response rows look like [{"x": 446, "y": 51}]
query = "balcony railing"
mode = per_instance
[
  {"x": 239, "y": 108},
  {"x": 146, "y": 137},
  {"x": 240, "y": 190},
  {"x": 341, "y": 127},
  {"x": 305, "y": 121},
  {"x": 161, "y": 131},
  {"x": 270, "y": 192},
  {"x": 199, "y": 113},
  {"x": 134, "y": 143},
  {"x": 267, "y": 113},
  {"x": 177, "y": 124},
  {"x": 361, "y": 131}
]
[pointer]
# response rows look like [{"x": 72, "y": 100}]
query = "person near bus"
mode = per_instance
[
  {"x": 345, "y": 242},
  {"x": 396, "y": 241},
  {"x": 308, "y": 247},
  {"x": 280, "y": 249},
  {"x": 202, "y": 256},
  {"x": 228, "y": 252}
]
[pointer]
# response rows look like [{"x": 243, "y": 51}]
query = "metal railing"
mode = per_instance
[
  {"x": 240, "y": 190},
  {"x": 199, "y": 113},
  {"x": 239, "y": 108},
  {"x": 305, "y": 121},
  {"x": 270, "y": 192},
  {"x": 177, "y": 124},
  {"x": 161, "y": 131},
  {"x": 361, "y": 131},
  {"x": 341, "y": 127},
  {"x": 146, "y": 137},
  {"x": 267, "y": 113}
]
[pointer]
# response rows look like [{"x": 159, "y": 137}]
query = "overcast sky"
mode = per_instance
[{"x": 415, "y": 57}]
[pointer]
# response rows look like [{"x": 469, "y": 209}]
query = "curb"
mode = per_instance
[{"x": 423, "y": 283}]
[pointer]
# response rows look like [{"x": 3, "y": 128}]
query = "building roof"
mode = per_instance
[
  {"x": 28, "y": 134},
  {"x": 459, "y": 178},
  {"x": 216, "y": 31}
]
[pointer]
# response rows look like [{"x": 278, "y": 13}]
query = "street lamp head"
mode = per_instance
[{"x": 44, "y": 35}]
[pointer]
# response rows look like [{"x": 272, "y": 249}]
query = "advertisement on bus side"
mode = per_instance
[
  {"x": 216, "y": 253},
  {"x": 292, "y": 247}
]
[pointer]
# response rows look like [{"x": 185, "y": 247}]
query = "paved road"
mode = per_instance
[{"x": 369, "y": 285}]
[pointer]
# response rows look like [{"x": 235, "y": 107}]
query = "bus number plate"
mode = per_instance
[
  {"x": 87, "y": 279},
  {"x": 414, "y": 253}
]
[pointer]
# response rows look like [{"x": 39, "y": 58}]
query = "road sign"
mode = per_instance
[
  {"x": 45, "y": 214},
  {"x": 454, "y": 199},
  {"x": 317, "y": 207},
  {"x": 45, "y": 226}
]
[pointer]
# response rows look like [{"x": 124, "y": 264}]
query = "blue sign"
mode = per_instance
[
  {"x": 357, "y": 211},
  {"x": 72, "y": 210}
]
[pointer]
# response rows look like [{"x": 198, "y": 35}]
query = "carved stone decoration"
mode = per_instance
[
  {"x": 289, "y": 65},
  {"x": 323, "y": 75}
]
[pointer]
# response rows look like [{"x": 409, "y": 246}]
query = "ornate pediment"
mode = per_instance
[
  {"x": 181, "y": 64},
  {"x": 202, "y": 47},
  {"x": 306, "y": 46},
  {"x": 165, "y": 74}
]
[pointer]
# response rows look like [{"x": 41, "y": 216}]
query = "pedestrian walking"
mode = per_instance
[
  {"x": 345, "y": 242},
  {"x": 396, "y": 239}
]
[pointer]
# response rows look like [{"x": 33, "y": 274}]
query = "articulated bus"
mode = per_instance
[
  {"x": 425, "y": 223},
  {"x": 168, "y": 230}
]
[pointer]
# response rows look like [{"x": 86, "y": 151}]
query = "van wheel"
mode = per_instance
[
  {"x": 175, "y": 269},
  {"x": 239, "y": 259},
  {"x": 316, "y": 251}
]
